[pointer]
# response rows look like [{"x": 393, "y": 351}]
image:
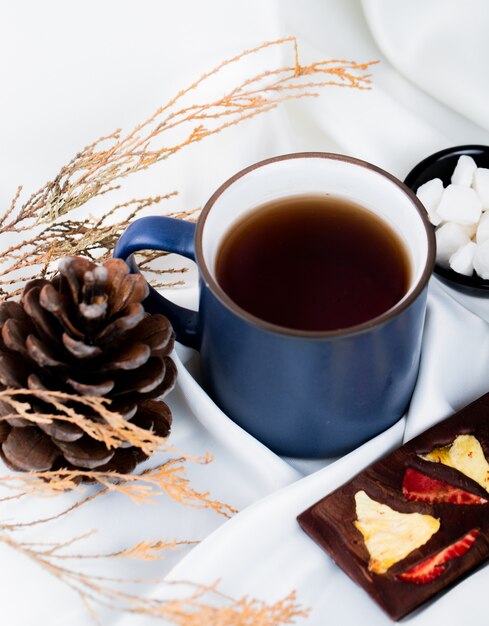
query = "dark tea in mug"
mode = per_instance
[{"x": 313, "y": 263}]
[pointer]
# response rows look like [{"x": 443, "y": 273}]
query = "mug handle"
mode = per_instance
[{"x": 171, "y": 235}]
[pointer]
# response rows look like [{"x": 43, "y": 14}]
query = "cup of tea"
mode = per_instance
[{"x": 313, "y": 275}]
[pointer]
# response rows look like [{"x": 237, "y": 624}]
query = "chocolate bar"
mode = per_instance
[{"x": 418, "y": 520}]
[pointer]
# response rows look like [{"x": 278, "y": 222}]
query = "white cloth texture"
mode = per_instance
[{"x": 73, "y": 72}]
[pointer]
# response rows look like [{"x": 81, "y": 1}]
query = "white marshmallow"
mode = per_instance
[
  {"x": 430, "y": 196},
  {"x": 460, "y": 204},
  {"x": 481, "y": 259},
  {"x": 461, "y": 261},
  {"x": 482, "y": 233},
  {"x": 449, "y": 238},
  {"x": 481, "y": 185},
  {"x": 463, "y": 173}
]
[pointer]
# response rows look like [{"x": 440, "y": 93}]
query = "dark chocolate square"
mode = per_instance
[{"x": 330, "y": 522}]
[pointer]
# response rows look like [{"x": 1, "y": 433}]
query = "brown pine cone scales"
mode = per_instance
[{"x": 84, "y": 332}]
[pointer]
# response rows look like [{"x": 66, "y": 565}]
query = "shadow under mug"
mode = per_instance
[{"x": 301, "y": 393}]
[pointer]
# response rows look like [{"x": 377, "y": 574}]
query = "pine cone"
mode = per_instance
[{"x": 85, "y": 332}]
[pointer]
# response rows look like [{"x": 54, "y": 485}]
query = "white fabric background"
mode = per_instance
[{"x": 72, "y": 72}]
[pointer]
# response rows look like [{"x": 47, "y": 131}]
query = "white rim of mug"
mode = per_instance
[{"x": 403, "y": 304}]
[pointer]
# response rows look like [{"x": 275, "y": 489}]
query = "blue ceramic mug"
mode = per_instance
[{"x": 301, "y": 393}]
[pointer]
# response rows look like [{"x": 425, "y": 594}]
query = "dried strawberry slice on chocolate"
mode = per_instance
[
  {"x": 428, "y": 570},
  {"x": 422, "y": 488}
]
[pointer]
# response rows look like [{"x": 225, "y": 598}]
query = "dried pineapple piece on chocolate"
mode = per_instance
[
  {"x": 464, "y": 454},
  {"x": 390, "y": 535}
]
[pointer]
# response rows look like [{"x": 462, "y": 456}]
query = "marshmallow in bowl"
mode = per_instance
[
  {"x": 482, "y": 232},
  {"x": 462, "y": 260},
  {"x": 449, "y": 238},
  {"x": 481, "y": 185},
  {"x": 459, "y": 204},
  {"x": 430, "y": 196},
  {"x": 464, "y": 171},
  {"x": 460, "y": 213}
]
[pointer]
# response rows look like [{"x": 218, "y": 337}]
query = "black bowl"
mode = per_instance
[{"x": 441, "y": 165}]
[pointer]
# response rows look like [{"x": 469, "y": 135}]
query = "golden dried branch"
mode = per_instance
[
  {"x": 141, "y": 551},
  {"x": 167, "y": 478},
  {"x": 151, "y": 550},
  {"x": 112, "y": 431},
  {"x": 200, "y": 610},
  {"x": 100, "y": 167},
  {"x": 11, "y": 484},
  {"x": 90, "y": 237},
  {"x": 204, "y": 606}
]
